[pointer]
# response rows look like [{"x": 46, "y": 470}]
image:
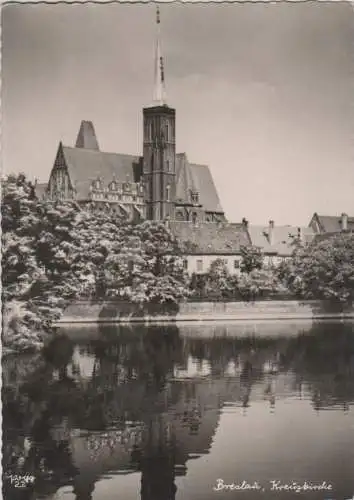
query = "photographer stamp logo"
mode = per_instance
[{"x": 20, "y": 480}]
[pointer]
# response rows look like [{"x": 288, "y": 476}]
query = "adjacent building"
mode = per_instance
[
  {"x": 207, "y": 242},
  {"x": 331, "y": 224},
  {"x": 277, "y": 243}
]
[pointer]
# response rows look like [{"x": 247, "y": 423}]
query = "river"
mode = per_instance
[{"x": 200, "y": 412}]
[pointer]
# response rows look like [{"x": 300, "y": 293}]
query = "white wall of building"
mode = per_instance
[{"x": 200, "y": 264}]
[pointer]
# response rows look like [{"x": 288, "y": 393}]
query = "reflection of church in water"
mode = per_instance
[
  {"x": 175, "y": 405},
  {"x": 147, "y": 402},
  {"x": 176, "y": 422}
]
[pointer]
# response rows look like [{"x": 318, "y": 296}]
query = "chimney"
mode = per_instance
[
  {"x": 344, "y": 222},
  {"x": 245, "y": 223},
  {"x": 270, "y": 231},
  {"x": 300, "y": 235}
]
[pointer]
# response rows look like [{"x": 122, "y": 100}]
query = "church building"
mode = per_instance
[{"x": 159, "y": 185}]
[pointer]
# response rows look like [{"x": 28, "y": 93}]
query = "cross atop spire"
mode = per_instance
[{"x": 159, "y": 96}]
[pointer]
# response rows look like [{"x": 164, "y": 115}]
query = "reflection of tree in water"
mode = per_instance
[
  {"x": 323, "y": 358},
  {"x": 133, "y": 381},
  {"x": 131, "y": 371},
  {"x": 32, "y": 409}
]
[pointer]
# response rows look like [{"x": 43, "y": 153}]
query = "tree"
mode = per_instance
[
  {"x": 219, "y": 282},
  {"x": 252, "y": 258},
  {"x": 145, "y": 266},
  {"x": 55, "y": 252},
  {"x": 259, "y": 283},
  {"x": 323, "y": 270}
]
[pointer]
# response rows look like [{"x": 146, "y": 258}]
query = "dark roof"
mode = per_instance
[
  {"x": 40, "y": 189},
  {"x": 193, "y": 177},
  {"x": 87, "y": 137},
  {"x": 86, "y": 165},
  {"x": 283, "y": 238},
  {"x": 332, "y": 223},
  {"x": 210, "y": 237}
]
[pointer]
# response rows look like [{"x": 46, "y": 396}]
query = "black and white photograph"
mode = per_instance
[{"x": 177, "y": 220}]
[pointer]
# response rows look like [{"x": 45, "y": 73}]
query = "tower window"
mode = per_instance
[
  {"x": 167, "y": 132},
  {"x": 168, "y": 191},
  {"x": 194, "y": 217},
  {"x": 167, "y": 165}
]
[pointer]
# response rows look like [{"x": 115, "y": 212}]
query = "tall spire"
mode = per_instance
[{"x": 159, "y": 97}]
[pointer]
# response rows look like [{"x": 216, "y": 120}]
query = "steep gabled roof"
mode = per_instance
[
  {"x": 332, "y": 223},
  {"x": 283, "y": 238},
  {"x": 210, "y": 237},
  {"x": 86, "y": 165},
  {"x": 193, "y": 177}
]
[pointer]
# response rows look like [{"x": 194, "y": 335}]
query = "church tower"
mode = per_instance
[{"x": 159, "y": 148}]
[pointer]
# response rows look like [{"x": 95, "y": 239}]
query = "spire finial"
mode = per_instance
[{"x": 159, "y": 85}]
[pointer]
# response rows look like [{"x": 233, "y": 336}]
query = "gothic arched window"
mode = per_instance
[{"x": 168, "y": 192}]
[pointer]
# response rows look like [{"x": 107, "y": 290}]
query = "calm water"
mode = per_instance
[{"x": 162, "y": 413}]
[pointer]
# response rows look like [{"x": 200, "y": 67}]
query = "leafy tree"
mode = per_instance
[
  {"x": 252, "y": 258},
  {"x": 145, "y": 266},
  {"x": 259, "y": 283},
  {"x": 219, "y": 283},
  {"x": 197, "y": 285},
  {"x": 54, "y": 252},
  {"x": 323, "y": 270}
]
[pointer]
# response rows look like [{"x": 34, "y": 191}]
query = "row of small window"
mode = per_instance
[
  {"x": 182, "y": 216},
  {"x": 114, "y": 186},
  {"x": 200, "y": 264},
  {"x": 114, "y": 197},
  {"x": 106, "y": 209}
]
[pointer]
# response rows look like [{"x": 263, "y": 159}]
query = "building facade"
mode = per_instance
[
  {"x": 159, "y": 185},
  {"x": 207, "y": 242}
]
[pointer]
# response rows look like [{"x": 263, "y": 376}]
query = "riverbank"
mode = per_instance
[{"x": 124, "y": 312}]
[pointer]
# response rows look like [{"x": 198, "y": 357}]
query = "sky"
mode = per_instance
[{"x": 263, "y": 94}]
